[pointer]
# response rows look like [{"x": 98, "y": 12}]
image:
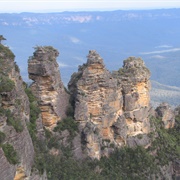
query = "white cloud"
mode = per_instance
[
  {"x": 157, "y": 57},
  {"x": 81, "y": 59},
  {"x": 63, "y": 65},
  {"x": 164, "y": 46},
  {"x": 161, "y": 51},
  {"x": 74, "y": 40},
  {"x": 5, "y": 23}
]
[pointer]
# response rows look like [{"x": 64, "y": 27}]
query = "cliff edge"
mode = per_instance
[{"x": 16, "y": 148}]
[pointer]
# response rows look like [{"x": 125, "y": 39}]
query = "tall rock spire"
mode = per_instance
[
  {"x": 47, "y": 85},
  {"x": 134, "y": 79},
  {"x": 97, "y": 102}
]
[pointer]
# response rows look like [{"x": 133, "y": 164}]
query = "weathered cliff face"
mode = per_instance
[
  {"x": 134, "y": 80},
  {"x": 114, "y": 108},
  {"x": 14, "y": 116},
  {"x": 47, "y": 86},
  {"x": 98, "y": 101}
]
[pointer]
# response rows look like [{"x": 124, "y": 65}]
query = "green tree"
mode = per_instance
[
  {"x": 2, "y": 38},
  {"x": 10, "y": 153}
]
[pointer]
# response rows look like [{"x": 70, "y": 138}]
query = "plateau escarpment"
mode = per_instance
[
  {"x": 112, "y": 109},
  {"x": 17, "y": 152},
  {"x": 47, "y": 85}
]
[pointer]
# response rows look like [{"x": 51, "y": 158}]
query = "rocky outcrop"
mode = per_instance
[
  {"x": 133, "y": 78},
  {"x": 111, "y": 107},
  {"x": 47, "y": 85},
  {"x": 14, "y": 117},
  {"x": 167, "y": 115},
  {"x": 98, "y": 101},
  {"x": 134, "y": 81}
]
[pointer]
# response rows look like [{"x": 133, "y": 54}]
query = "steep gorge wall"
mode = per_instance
[
  {"x": 47, "y": 85},
  {"x": 14, "y": 117}
]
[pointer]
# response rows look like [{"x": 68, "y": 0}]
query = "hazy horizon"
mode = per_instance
[
  {"x": 48, "y": 6},
  {"x": 88, "y": 10}
]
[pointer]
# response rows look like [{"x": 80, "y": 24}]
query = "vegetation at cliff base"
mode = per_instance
[
  {"x": 6, "y": 84},
  {"x": 125, "y": 163},
  {"x": 67, "y": 123},
  {"x": 40, "y": 146},
  {"x": 2, "y": 137},
  {"x": 10, "y": 153},
  {"x": 16, "y": 123},
  {"x": 34, "y": 113},
  {"x": 11, "y": 120},
  {"x": 165, "y": 141}
]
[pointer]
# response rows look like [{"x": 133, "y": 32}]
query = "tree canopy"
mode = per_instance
[{"x": 2, "y": 38}]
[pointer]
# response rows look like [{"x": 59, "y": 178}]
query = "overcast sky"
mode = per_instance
[{"x": 79, "y": 5}]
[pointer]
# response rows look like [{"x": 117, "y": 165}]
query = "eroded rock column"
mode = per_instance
[
  {"x": 134, "y": 80},
  {"x": 98, "y": 101},
  {"x": 47, "y": 86}
]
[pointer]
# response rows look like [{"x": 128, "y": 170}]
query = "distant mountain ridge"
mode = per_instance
[{"x": 86, "y": 17}]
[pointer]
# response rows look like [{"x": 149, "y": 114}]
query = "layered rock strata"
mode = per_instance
[
  {"x": 111, "y": 108},
  {"x": 14, "y": 117},
  {"x": 47, "y": 85}
]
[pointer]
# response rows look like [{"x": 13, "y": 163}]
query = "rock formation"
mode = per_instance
[
  {"x": 98, "y": 101},
  {"x": 14, "y": 117},
  {"x": 133, "y": 78},
  {"x": 167, "y": 115},
  {"x": 111, "y": 108},
  {"x": 47, "y": 86},
  {"x": 112, "y": 111}
]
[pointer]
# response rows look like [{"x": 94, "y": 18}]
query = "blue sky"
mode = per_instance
[{"x": 76, "y": 5}]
